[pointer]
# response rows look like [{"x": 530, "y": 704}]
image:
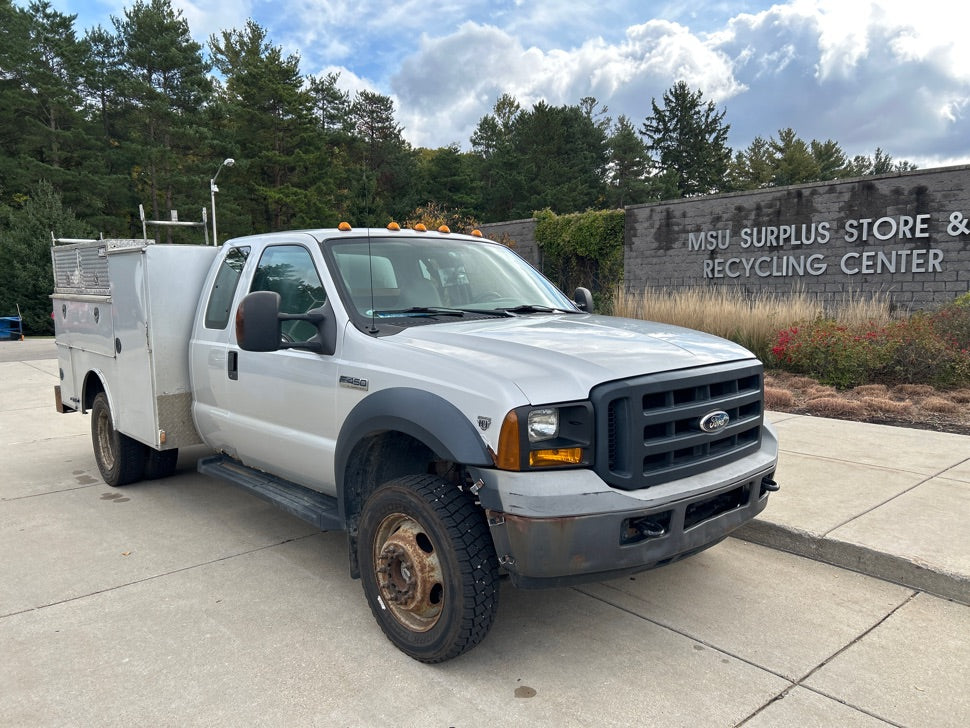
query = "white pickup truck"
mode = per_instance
[{"x": 429, "y": 393}]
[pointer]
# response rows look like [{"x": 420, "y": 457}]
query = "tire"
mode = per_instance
[
  {"x": 160, "y": 463},
  {"x": 120, "y": 459},
  {"x": 428, "y": 567}
]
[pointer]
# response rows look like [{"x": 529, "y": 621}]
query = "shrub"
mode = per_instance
[
  {"x": 939, "y": 404},
  {"x": 926, "y": 348},
  {"x": 776, "y": 398},
  {"x": 583, "y": 249},
  {"x": 884, "y": 406},
  {"x": 834, "y": 407},
  {"x": 832, "y": 353}
]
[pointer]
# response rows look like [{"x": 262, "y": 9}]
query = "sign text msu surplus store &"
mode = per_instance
[
  {"x": 801, "y": 249},
  {"x": 906, "y": 235}
]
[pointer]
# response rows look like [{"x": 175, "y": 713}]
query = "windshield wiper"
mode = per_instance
[
  {"x": 420, "y": 311},
  {"x": 535, "y": 308}
]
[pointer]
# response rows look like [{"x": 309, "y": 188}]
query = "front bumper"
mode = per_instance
[
  {"x": 551, "y": 552},
  {"x": 554, "y": 529}
]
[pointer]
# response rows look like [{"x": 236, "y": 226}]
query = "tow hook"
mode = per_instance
[
  {"x": 650, "y": 529},
  {"x": 637, "y": 530},
  {"x": 767, "y": 484}
]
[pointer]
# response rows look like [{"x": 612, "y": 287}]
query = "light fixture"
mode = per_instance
[{"x": 228, "y": 162}]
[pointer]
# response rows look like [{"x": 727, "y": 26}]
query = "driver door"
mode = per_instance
[{"x": 280, "y": 404}]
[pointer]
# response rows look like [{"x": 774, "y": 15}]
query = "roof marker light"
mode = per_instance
[
  {"x": 421, "y": 228},
  {"x": 344, "y": 226},
  {"x": 477, "y": 233},
  {"x": 444, "y": 229},
  {"x": 393, "y": 226}
]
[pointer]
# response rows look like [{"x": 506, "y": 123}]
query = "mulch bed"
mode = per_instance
[{"x": 905, "y": 405}]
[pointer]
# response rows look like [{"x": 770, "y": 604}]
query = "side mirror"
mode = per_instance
[
  {"x": 258, "y": 322},
  {"x": 584, "y": 299},
  {"x": 258, "y": 325}
]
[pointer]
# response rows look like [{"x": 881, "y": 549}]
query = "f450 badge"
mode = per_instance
[{"x": 353, "y": 382}]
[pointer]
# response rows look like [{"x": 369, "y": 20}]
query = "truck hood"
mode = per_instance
[{"x": 557, "y": 358}]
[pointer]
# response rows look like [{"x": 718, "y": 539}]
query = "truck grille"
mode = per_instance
[{"x": 648, "y": 428}]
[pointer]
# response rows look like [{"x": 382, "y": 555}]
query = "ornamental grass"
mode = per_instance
[{"x": 857, "y": 341}]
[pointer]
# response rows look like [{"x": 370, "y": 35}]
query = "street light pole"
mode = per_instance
[{"x": 212, "y": 193}]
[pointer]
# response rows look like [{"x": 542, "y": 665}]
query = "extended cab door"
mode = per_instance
[{"x": 272, "y": 410}]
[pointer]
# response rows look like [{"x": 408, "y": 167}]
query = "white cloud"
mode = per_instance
[
  {"x": 451, "y": 82},
  {"x": 866, "y": 73},
  {"x": 850, "y": 73},
  {"x": 209, "y": 17}
]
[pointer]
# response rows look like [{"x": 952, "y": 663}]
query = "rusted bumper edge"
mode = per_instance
[{"x": 553, "y": 552}]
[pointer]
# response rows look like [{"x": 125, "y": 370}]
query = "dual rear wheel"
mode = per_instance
[{"x": 121, "y": 459}]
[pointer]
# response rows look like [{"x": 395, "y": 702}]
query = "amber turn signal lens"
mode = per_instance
[
  {"x": 562, "y": 456},
  {"x": 507, "y": 457}
]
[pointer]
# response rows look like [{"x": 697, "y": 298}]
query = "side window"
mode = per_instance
[
  {"x": 289, "y": 271},
  {"x": 224, "y": 289}
]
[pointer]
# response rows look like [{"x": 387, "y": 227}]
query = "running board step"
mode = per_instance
[{"x": 310, "y": 505}]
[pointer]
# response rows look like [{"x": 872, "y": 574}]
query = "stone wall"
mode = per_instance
[
  {"x": 520, "y": 235},
  {"x": 904, "y": 234}
]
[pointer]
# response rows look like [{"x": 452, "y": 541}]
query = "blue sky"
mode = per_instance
[{"x": 893, "y": 74}]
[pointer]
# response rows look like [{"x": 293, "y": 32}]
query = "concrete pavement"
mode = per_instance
[
  {"x": 890, "y": 502},
  {"x": 186, "y": 602}
]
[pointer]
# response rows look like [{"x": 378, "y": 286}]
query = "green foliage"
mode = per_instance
[
  {"x": 549, "y": 156},
  {"x": 878, "y": 163},
  {"x": 688, "y": 141},
  {"x": 925, "y": 348},
  {"x": 628, "y": 168},
  {"x": 25, "y": 259},
  {"x": 266, "y": 116},
  {"x": 165, "y": 83},
  {"x": 133, "y": 113},
  {"x": 789, "y": 160},
  {"x": 583, "y": 249}
]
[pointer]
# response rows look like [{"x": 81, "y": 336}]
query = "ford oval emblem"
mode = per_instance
[{"x": 715, "y": 421}]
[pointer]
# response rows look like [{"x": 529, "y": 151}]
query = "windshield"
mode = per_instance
[{"x": 403, "y": 278}]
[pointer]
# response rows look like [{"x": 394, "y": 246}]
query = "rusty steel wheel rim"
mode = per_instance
[
  {"x": 408, "y": 572},
  {"x": 105, "y": 440}
]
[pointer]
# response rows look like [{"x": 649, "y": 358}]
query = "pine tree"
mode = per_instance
[
  {"x": 688, "y": 142},
  {"x": 165, "y": 86},
  {"x": 42, "y": 128},
  {"x": 831, "y": 160},
  {"x": 269, "y": 122},
  {"x": 501, "y": 178},
  {"x": 25, "y": 259},
  {"x": 753, "y": 168},
  {"x": 793, "y": 162},
  {"x": 629, "y": 165},
  {"x": 385, "y": 164}
]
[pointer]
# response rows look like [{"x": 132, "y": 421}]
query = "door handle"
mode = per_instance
[{"x": 234, "y": 365}]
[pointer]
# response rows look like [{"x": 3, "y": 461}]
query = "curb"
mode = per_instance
[{"x": 896, "y": 569}]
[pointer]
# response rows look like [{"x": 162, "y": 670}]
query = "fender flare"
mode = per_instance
[{"x": 424, "y": 416}]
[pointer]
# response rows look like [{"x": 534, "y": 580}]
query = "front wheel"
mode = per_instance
[
  {"x": 428, "y": 567},
  {"x": 120, "y": 459}
]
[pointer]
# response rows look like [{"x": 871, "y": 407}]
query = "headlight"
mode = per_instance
[
  {"x": 543, "y": 424},
  {"x": 559, "y": 436}
]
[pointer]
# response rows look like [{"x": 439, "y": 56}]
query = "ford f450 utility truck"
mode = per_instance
[{"x": 430, "y": 394}]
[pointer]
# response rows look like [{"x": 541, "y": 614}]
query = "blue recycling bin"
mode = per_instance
[{"x": 11, "y": 327}]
